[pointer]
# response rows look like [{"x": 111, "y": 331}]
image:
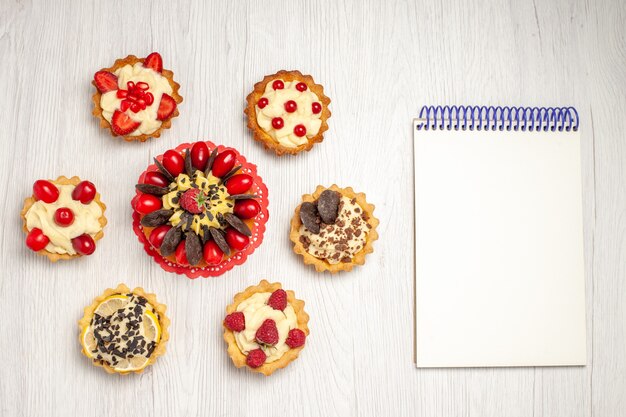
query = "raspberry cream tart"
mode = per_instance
[
  {"x": 265, "y": 328},
  {"x": 136, "y": 98},
  {"x": 64, "y": 218},
  {"x": 124, "y": 331},
  {"x": 200, "y": 209},
  {"x": 333, "y": 229},
  {"x": 288, "y": 112}
]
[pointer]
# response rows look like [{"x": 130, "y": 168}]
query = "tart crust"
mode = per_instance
[
  {"x": 268, "y": 141},
  {"x": 322, "y": 265},
  {"x": 166, "y": 124},
  {"x": 164, "y": 322},
  {"x": 29, "y": 201},
  {"x": 238, "y": 358}
]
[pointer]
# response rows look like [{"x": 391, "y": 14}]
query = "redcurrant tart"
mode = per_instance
[
  {"x": 285, "y": 100},
  {"x": 200, "y": 222},
  {"x": 136, "y": 98},
  {"x": 64, "y": 218}
]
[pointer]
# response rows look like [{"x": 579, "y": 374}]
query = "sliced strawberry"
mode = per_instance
[
  {"x": 166, "y": 107},
  {"x": 105, "y": 81},
  {"x": 154, "y": 61},
  {"x": 122, "y": 124}
]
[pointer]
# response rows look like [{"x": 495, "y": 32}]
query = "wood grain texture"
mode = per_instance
[{"x": 379, "y": 62}]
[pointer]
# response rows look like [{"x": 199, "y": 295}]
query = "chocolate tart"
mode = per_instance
[
  {"x": 157, "y": 310},
  {"x": 367, "y": 222},
  {"x": 30, "y": 201},
  {"x": 176, "y": 99},
  {"x": 301, "y": 318},
  {"x": 315, "y": 113}
]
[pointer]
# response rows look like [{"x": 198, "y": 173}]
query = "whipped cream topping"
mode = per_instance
[
  {"x": 256, "y": 311},
  {"x": 218, "y": 203},
  {"x": 338, "y": 242},
  {"x": 158, "y": 85},
  {"x": 86, "y": 220},
  {"x": 303, "y": 115}
]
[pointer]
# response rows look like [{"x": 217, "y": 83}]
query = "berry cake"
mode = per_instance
[
  {"x": 333, "y": 229},
  {"x": 200, "y": 209},
  {"x": 287, "y": 112},
  {"x": 124, "y": 331},
  {"x": 265, "y": 328},
  {"x": 136, "y": 98},
  {"x": 63, "y": 218}
]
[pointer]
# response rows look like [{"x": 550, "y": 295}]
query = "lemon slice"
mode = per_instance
[
  {"x": 111, "y": 304},
  {"x": 133, "y": 364},
  {"x": 151, "y": 327},
  {"x": 88, "y": 341}
]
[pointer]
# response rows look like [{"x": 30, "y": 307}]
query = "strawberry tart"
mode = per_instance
[
  {"x": 265, "y": 328},
  {"x": 136, "y": 98}
]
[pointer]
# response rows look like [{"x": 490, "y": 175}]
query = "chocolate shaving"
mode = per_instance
[
  {"x": 218, "y": 237},
  {"x": 188, "y": 165},
  {"x": 230, "y": 174},
  {"x": 156, "y": 218},
  {"x": 309, "y": 217},
  {"x": 152, "y": 189},
  {"x": 164, "y": 171},
  {"x": 242, "y": 196},
  {"x": 328, "y": 206},
  {"x": 237, "y": 224},
  {"x": 209, "y": 164},
  {"x": 193, "y": 248},
  {"x": 206, "y": 235},
  {"x": 171, "y": 240}
]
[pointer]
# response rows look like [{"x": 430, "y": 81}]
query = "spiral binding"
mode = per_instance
[{"x": 498, "y": 118}]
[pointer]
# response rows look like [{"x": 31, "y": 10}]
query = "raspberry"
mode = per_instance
[
  {"x": 235, "y": 321},
  {"x": 278, "y": 300},
  {"x": 267, "y": 334},
  {"x": 193, "y": 201},
  {"x": 256, "y": 358},
  {"x": 295, "y": 338}
]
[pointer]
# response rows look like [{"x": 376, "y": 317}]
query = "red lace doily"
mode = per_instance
[{"x": 258, "y": 228}]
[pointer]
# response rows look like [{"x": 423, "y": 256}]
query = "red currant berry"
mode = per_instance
[
  {"x": 316, "y": 107},
  {"x": 301, "y": 87},
  {"x": 299, "y": 130},
  {"x": 278, "y": 123},
  {"x": 278, "y": 85},
  {"x": 263, "y": 102},
  {"x": 64, "y": 216},
  {"x": 290, "y": 106},
  {"x": 45, "y": 191}
]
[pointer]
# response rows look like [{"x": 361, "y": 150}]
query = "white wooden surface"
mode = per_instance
[{"x": 379, "y": 62}]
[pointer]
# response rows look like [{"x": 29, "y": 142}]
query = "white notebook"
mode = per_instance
[{"x": 499, "y": 268}]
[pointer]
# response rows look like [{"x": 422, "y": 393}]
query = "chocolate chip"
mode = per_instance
[
  {"x": 164, "y": 171},
  {"x": 309, "y": 217},
  {"x": 218, "y": 237},
  {"x": 152, "y": 189},
  {"x": 188, "y": 165},
  {"x": 209, "y": 163},
  {"x": 193, "y": 247},
  {"x": 237, "y": 224},
  {"x": 171, "y": 240},
  {"x": 328, "y": 206},
  {"x": 156, "y": 218}
]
